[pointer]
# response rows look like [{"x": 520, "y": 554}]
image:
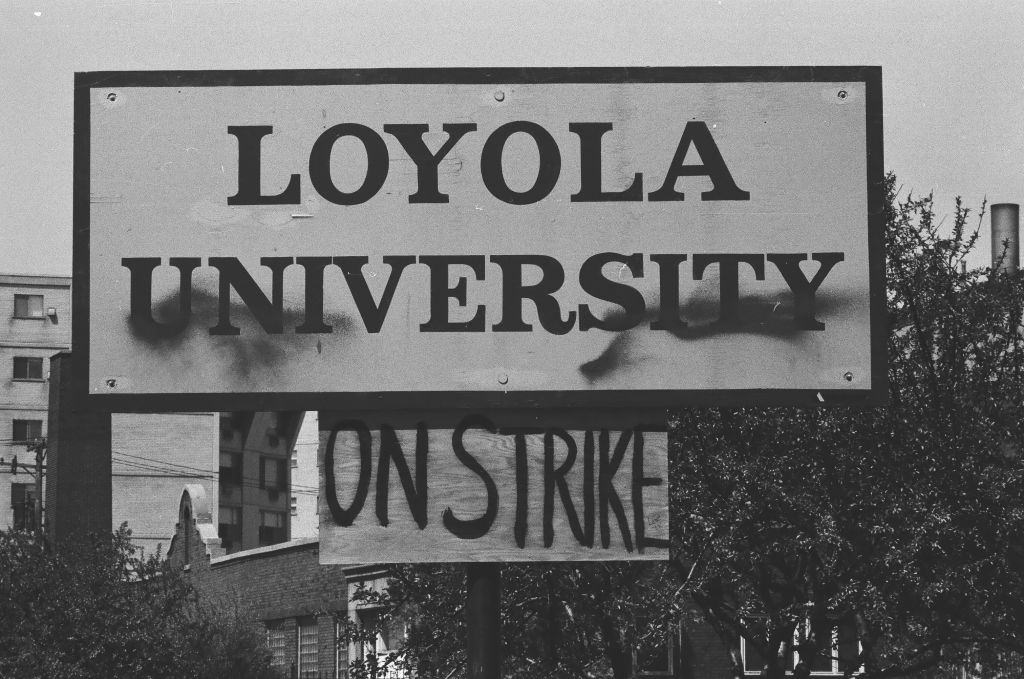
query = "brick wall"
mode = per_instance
[
  {"x": 275, "y": 587},
  {"x": 279, "y": 586}
]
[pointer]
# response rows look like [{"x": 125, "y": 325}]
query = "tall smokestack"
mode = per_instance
[{"x": 1006, "y": 234}]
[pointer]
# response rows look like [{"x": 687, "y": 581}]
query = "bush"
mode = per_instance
[{"x": 97, "y": 609}]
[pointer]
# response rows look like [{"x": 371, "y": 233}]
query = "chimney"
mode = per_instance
[{"x": 1006, "y": 233}]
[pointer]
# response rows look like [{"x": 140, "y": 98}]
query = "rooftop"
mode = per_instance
[{"x": 35, "y": 279}]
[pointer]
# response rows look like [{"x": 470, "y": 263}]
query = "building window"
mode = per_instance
[
  {"x": 230, "y": 469},
  {"x": 380, "y": 638},
  {"x": 272, "y": 473},
  {"x": 23, "y": 502},
  {"x": 188, "y": 526},
  {"x": 282, "y": 427},
  {"x": 658, "y": 657},
  {"x": 229, "y": 528},
  {"x": 340, "y": 657},
  {"x": 272, "y": 528},
  {"x": 28, "y": 306},
  {"x": 239, "y": 422},
  {"x": 28, "y": 368},
  {"x": 277, "y": 642},
  {"x": 308, "y": 649},
  {"x": 26, "y": 431},
  {"x": 831, "y": 660}
]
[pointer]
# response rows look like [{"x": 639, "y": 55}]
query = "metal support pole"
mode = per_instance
[
  {"x": 483, "y": 620},
  {"x": 40, "y": 456}
]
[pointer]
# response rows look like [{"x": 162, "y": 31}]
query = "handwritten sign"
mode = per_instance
[{"x": 480, "y": 487}]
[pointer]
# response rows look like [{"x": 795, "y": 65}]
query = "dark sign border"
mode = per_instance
[{"x": 871, "y": 76}]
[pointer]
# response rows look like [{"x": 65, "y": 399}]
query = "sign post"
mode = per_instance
[
  {"x": 483, "y": 620},
  {"x": 471, "y": 273}
]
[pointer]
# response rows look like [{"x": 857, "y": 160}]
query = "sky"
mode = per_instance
[{"x": 953, "y": 72}]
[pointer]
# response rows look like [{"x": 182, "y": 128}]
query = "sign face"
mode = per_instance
[
  {"x": 477, "y": 238},
  {"x": 487, "y": 488}
]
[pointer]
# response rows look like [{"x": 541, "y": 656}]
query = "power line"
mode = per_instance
[
  {"x": 247, "y": 482},
  {"x": 171, "y": 466},
  {"x": 181, "y": 470}
]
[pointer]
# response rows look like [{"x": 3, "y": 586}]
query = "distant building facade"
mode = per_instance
[
  {"x": 255, "y": 488},
  {"x": 152, "y": 457},
  {"x": 305, "y": 477},
  {"x": 131, "y": 467},
  {"x": 36, "y": 313},
  {"x": 106, "y": 469}
]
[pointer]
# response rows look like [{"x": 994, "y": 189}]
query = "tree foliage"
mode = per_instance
[
  {"x": 566, "y": 621},
  {"x": 99, "y": 609},
  {"x": 898, "y": 528},
  {"x": 897, "y": 522}
]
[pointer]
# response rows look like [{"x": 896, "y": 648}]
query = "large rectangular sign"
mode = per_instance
[
  {"x": 478, "y": 238},
  {"x": 491, "y": 487}
]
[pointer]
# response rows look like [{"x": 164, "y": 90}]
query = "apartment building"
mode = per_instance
[
  {"x": 36, "y": 323},
  {"x": 255, "y": 488}
]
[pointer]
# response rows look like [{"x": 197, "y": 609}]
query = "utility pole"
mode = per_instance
[
  {"x": 40, "y": 449},
  {"x": 37, "y": 446}
]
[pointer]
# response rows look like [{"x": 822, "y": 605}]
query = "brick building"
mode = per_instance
[
  {"x": 299, "y": 604},
  {"x": 37, "y": 324},
  {"x": 282, "y": 588}
]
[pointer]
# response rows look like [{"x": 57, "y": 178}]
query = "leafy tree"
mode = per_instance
[
  {"x": 899, "y": 528},
  {"x": 895, "y": 522},
  {"x": 571, "y": 621},
  {"x": 99, "y": 610}
]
